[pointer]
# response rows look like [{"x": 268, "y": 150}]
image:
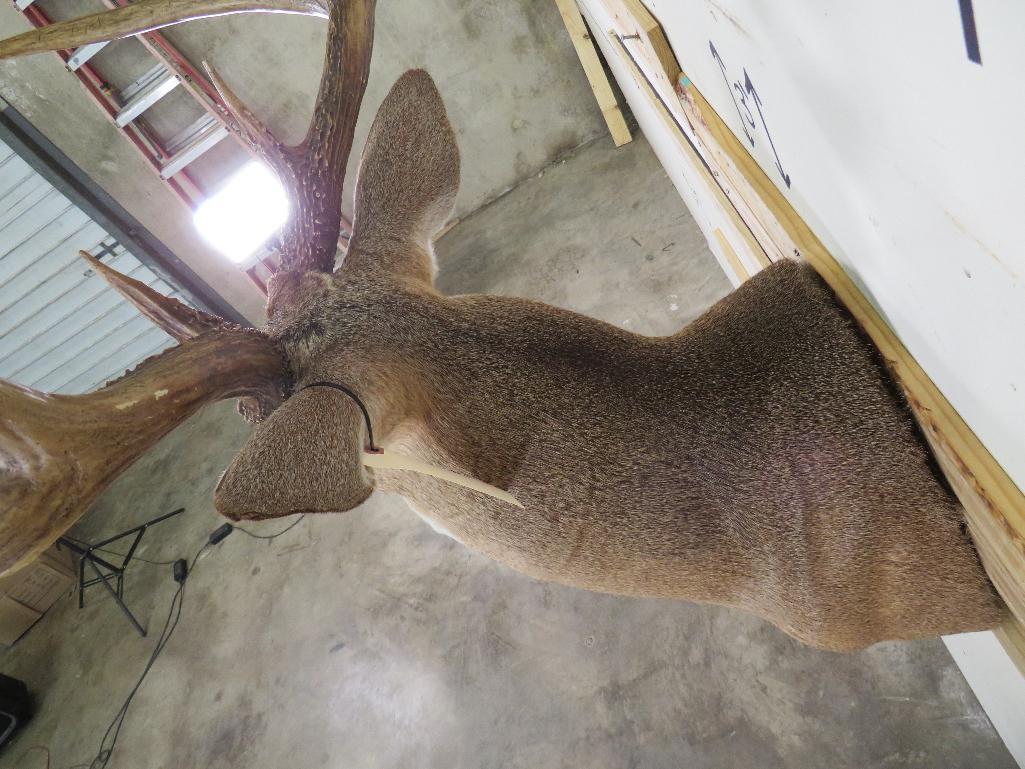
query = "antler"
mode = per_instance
[
  {"x": 177, "y": 319},
  {"x": 312, "y": 172},
  {"x": 58, "y": 452},
  {"x": 141, "y": 16}
]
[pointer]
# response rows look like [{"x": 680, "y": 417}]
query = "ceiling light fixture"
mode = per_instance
[{"x": 243, "y": 214}]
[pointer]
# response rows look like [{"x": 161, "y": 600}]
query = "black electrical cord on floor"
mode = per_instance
[
  {"x": 174, "y": 615},
  {"x": 248, "y": 533},
  {"x": 182, "y": 572},
  {"x": 288, "y": 528}
]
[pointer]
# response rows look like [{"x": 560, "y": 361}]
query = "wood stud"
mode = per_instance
[{"x": 595, "y": 72}]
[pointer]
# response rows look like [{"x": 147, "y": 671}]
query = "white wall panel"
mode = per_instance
[{"x": 62, "y": 328}]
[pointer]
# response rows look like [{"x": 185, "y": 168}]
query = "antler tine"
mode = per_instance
[
  {"x": 249, "y": 127},
  {"x": 313, "y": 231},
  {"x": 176, "y": 318},
  {"x": 142, "y": 16}
]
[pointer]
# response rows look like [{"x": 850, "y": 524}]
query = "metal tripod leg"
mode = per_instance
[
  {"x": 117, "y": 599},
  {"x": 105, "y": 570}
]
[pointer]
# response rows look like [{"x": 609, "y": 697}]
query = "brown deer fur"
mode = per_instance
[{"x": 761, "y": 458}]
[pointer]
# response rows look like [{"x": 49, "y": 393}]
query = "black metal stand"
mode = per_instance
[{"x": 104, "y": 570}]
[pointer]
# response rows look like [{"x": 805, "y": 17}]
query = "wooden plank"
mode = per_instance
[
  {"x": 1012, "y": 637},
  {"x": 994, "y": 505},
  {"x": 649, "y": 28},
  {"x": 702, "y": 177},
  {"x": 588, "y": 56},
  {"x": 731, "y": 255},
  {"x": 645, "y": 50}
]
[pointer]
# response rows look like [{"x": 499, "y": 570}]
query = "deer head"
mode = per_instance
[{"x": 57, "y": 453}]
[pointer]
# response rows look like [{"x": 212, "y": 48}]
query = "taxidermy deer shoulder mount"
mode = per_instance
[{"x": 760, "y": 458}]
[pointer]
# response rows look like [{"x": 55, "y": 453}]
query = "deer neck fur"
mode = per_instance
[{"x": 683, "y": 466}]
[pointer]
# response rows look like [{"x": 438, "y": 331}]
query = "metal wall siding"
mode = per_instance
[{"x": 62, "y": 328}]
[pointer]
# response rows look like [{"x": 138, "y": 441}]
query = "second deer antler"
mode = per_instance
[
  {"x": 141, "y": 16},
  {"x": 313, "y": 172}
]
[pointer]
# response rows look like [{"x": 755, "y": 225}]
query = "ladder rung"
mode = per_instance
[
  {"x": 145, "y": 99},
  {"x": 147, "y": 78},
  {"x": 83, "y": 54},
  {"x": 186, "y": 135},
  {"x": 197, "y": 147}
]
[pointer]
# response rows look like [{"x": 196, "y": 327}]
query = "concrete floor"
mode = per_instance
[{"x": 367, "y": 640}]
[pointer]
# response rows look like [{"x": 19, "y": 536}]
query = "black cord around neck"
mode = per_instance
[{"x": 351, "y": 394}]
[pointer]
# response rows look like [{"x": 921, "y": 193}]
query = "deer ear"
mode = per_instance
[
  {"x": 305, "y": 458},
  {"x": 408, "y": 176}
]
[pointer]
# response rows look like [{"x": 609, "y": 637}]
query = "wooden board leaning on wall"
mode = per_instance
[
  {"x": 589, "y": 60},
  {"x": 765, "y": 227}
]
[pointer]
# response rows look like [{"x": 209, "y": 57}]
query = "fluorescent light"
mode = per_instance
[{"x": 239, "y": 218}]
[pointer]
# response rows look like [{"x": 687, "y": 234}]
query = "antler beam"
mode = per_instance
[
  {"x": 142, "y": 16},
  {"x": 313, "y": 172},
  {"x": 58, "y": 452}
]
